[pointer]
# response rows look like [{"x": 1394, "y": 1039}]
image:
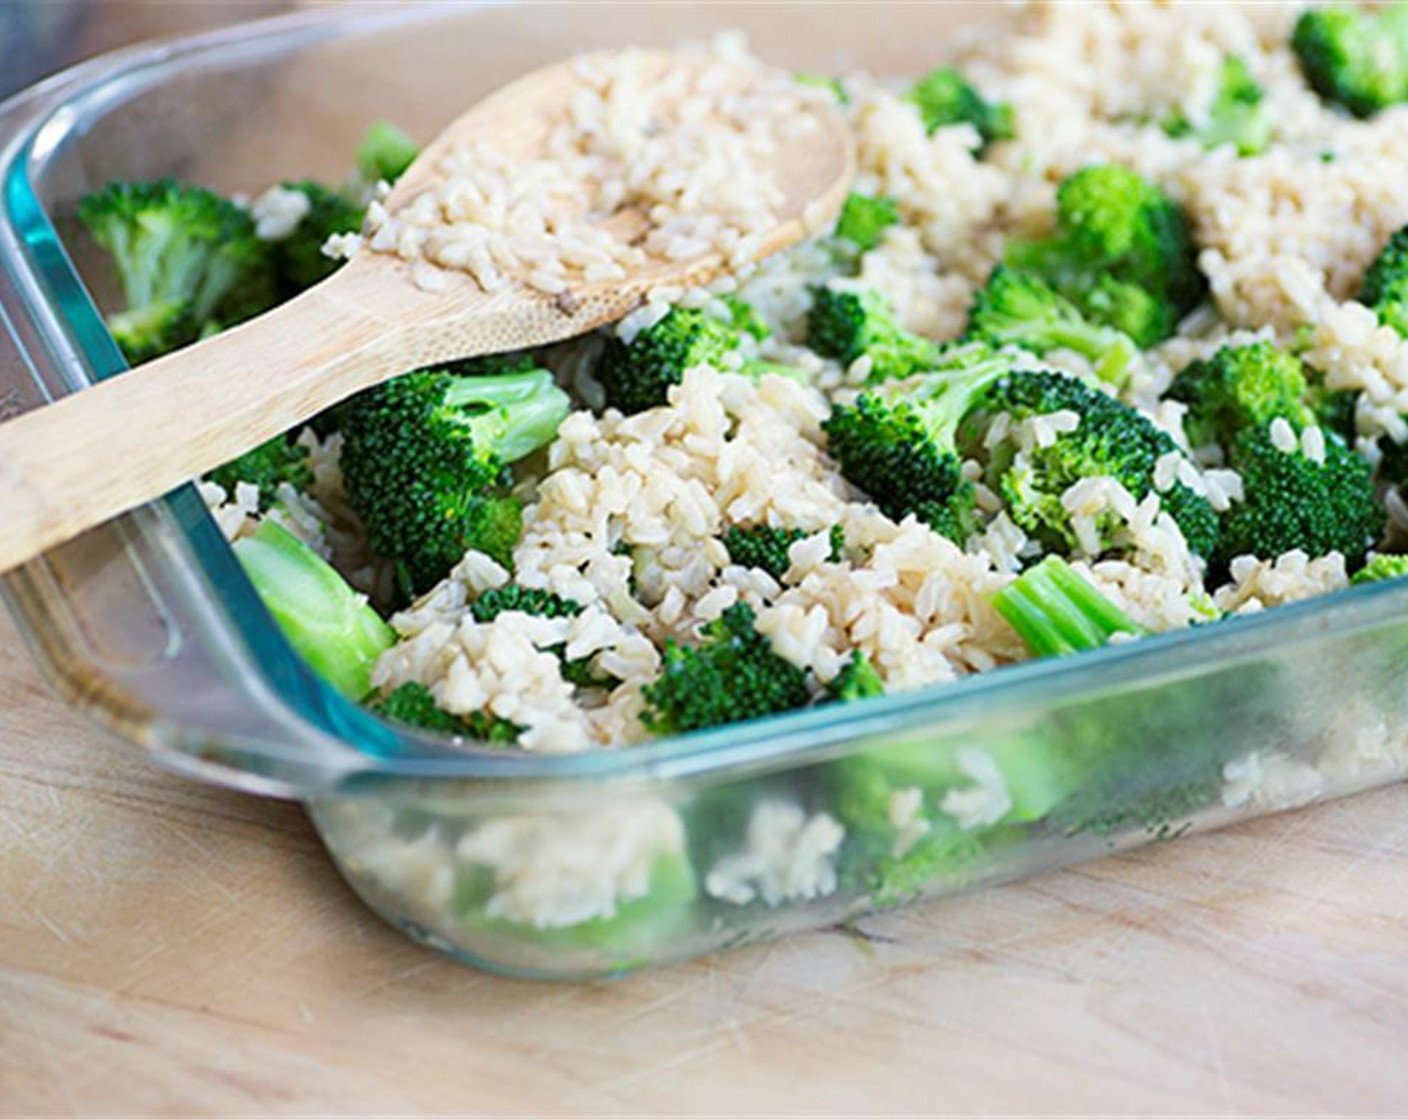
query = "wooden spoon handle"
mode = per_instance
[{"x": 109, "y": 448}]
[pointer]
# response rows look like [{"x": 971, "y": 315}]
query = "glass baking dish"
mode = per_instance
[{"x": 572, "y": 866}]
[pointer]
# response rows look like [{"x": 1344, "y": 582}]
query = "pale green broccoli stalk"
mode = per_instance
[
  {"x": 331, "y": 626},
  {"x": 1055, "y": 611},
  {"x": 385, "y": 152}
]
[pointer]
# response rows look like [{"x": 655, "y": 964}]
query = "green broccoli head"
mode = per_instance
[
  {"x": 543, "y": 604},
  {"x": 766, "y": 547},
  {"x": 1241, "y": 386},
  {"x": 299, "y": 261},
  {"x": 414, "y": 705},
  {"x": 188, "y": 260},
  {"x": 1238, "y": 115},
  {"x": 1056, "y": 611},
  {"x": 945, "y": 97},
  {"x": 865, "y": 218},
  {"x": 846, "y": 324},
  {"x": 1385, "y": 565},
  {"x": 1355, "y": 58},
  {"x": 528, "y": 600},
  {"x": 1115, "y": 229},
  {"x": 1019, "y": 309},
  {"x": 143, "y": 333},
  {"x": 746, "y": 318},
  {"x": 857, "y": 680},
  {"x": 732, "y": 675},
  {"x": 1112, "y": 440},
  {"x": 639, "y": 376},
  {"x": 1385, "y": 289},
  {"x": 1294, "y": 502},
  {"x": 899, "y": 442},
  {"x": 267, "y": 466},
  {"x": 1142, "y": 316},
  {"x": 425, "y": 460}
]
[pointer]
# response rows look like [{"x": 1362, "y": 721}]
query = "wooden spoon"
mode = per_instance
[{"x": 104, "y": 450}]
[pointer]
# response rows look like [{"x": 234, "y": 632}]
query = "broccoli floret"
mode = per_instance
[
  {"x": 766, "y": 547},
  {"x": 1384, "y": 566},
  {"x": 148, "y": 332},
  {"x": 647, "y": 920},
  {"x": 873, "y": 857},
  {"x": 1142, "y": 758},
  {"x": 529, "y": 600},
  {"x": 845, "y": 324},
  {"x": 639, "y": 376},
  {"x": 1019, "y": 309},
  {"x": 425, "y": 459},
  {"x": 546, "y": 604},
  {"x": 865, "y": 218},
  {"x": 1128, "y": 308},
  {"x": 1385, "y": 289},
  {"x": 1294, "y": 502},
  {"x": 732, "y": 675},
  {"x": 857, "y": 680},
  {"x": 1335, "y": 410},
  {"x": 413, "y": 704},
  {"x": 277, "y": 461},
  {"x": 1117, "y": 232},
  {"x": 1239, "y": 387},
  {"x": 1056, "y": 611},
  {"x": 1238, "y": 114},
  {"x": 329, "y": 624},
  {"x": 189, "y": 262},
  {"x": 1355, "y": 58},
  {"x": 945, "y": 97},
  {"x": 299, "y": 260},
  {"x": 385, "y": 152},
  {"x": 1111, "y": 440},
  {"x": 746, "y": 318},
  {"x": 898, "y": 442}
]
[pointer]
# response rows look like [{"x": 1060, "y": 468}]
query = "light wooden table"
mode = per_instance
[{"x": 171, "y": 948}]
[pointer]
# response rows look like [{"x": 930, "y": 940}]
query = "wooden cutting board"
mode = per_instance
[{"x": 166, "y": 947}]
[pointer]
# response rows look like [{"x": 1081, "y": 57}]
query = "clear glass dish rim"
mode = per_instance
[{"x": 1012, "y": 692}]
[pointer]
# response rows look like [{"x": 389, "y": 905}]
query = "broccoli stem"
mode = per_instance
[
  {"x": 330, "y": 625},
  {"x": 521, "y": 411},
  {"x": 1056, "y": 611},
  {"x": 385, "y": 152}
]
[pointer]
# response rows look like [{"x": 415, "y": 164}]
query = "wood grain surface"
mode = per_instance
[{"x": 168, "y": 948}]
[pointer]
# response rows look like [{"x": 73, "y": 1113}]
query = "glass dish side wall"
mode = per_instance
[
  {"x": 598, "y": 882},
  {"x": 151, "y": 624}
]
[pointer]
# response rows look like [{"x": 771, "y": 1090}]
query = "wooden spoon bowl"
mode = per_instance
[{"x": 111, "y": 447}]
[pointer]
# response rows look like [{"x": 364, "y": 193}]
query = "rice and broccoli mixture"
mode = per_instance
[{"x": 1109, "y": 339}]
